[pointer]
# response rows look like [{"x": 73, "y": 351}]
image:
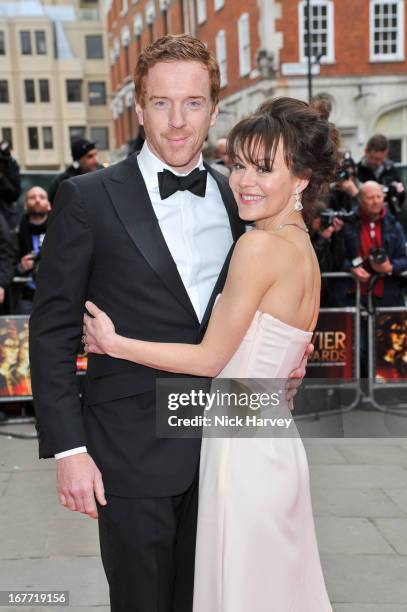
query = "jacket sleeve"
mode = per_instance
[
  {"x": 8, "y": 254},
  {"x": 56, "y": 323},
  {"x": 399, "y": 256},
  {"x": 10, "y": 184}
]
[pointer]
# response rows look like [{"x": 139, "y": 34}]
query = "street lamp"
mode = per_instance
[{"x": 309, "y": 57}]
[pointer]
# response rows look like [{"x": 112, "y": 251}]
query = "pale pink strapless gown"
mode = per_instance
[{"x": 256, "y": 544}]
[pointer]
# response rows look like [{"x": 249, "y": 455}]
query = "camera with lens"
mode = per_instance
[
  {"x": 328, "y": 215},
  {"x": 377, "y": 255},
  {"x": 5, "y": 153},
  {"x": 347, "y": 168}
]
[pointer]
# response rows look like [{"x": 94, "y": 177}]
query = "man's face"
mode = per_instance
[
  {"x": 372, "y": 199},
  {"x": 89, "y": 162},
  {"x": 374, "y": 159},
  {"x": 398, "y": 337},
  {"x": 177, "y": 112},
  {"x": 36, "y": 201}
]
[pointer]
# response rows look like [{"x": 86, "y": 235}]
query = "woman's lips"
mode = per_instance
[{"x": 250, "y": 198}]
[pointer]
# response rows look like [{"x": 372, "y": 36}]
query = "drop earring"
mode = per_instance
[{"x": 298, "y": 206}]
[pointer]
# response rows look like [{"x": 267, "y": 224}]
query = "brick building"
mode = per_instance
[{"x": 358, "y": 47}]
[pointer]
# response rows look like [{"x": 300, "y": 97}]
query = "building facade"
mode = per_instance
[
  {"x": 358, "y": 51},
  {"x": 54, "y": 81}
]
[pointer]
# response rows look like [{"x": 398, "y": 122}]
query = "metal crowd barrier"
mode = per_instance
[
  {"x": 375, "y": 385},
  {"x": 368, "y": 395},
  {"x": 352, "y": 384}
]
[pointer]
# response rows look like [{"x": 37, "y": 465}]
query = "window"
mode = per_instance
[
  {"x": 40, "y": 44},
  {"x": 386, "y": 30},
  {"x": 74, "y": 90},
  {"x": 33, "y": 138},
  {"x": 94, "y": 46},
  {"x": 100, "y": 136},
  {"x": 395, "y": 150},
  {"x": 47, "y": 138},
  {"x": 29, "y": 89},
  {"x": 125, "y": 7},
  {"x": 77, "y": 131},
  {"x": 97, "y": 93},
  {"x": 221, "y": 57},
  {"x": 6, "y": 134},
  {"x": 2, "y": 43},
  {"x": 44, "y": 90},
  {"x": 4, "y": 97},
  {"x": 243, "y": 26},
  {"x": 218, "y": 4},
  {"x": 201, "y": 10},
  {"x": 321, "y": 31},
  {"x": 25, "y": 42}
]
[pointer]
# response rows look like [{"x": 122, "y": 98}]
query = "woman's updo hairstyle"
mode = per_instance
[{"x": 310, "y": 143}]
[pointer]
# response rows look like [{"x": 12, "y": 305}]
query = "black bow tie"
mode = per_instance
[{"x": 169, "y": 183}]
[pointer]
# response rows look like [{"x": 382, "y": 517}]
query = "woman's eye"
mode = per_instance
[
  {"x": 263, "y": 170},
  {"x": 159, "y": 103},
  {"x": 237, "y": 166}
]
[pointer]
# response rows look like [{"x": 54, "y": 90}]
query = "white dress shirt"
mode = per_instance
[{"x": 196, "y": 230}]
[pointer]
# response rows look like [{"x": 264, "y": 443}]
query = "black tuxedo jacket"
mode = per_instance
[{"x": 104, "y": 243}]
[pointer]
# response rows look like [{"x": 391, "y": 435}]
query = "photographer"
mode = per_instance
[
  {"x": 343, "y": 193},
  {"x": 375, "y": 250},
  {"x": 375, "y": 166},
  {"x": 7, "y": 261},
  {"x": 30, "y": 237},
  {"x": 327, "y": 239},
  {"x": 84, "y": 156},
  {"x": 10, "y": 185}
]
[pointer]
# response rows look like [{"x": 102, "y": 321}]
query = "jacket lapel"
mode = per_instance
[
  {"x": 130, "y": 198},
  {"x": 236, "y": 224}
]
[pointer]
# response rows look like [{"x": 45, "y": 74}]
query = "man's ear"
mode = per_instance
[
  {"x": 214, "y": 115},
  {"x": 139, "y": 112}
]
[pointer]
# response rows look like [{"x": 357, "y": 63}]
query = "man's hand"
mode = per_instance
[
  {"x": 399, "y": 186},
  {"x": 79, "y": 481},
  {"x": 2, "y": 295},
  {"x": 384, "y": 268},
  {"x": 336, "y": 226},
  {"x": 296, "y": 377},
  {"x": 361, "y": 274},
  {"x": 27, "y": 262},
  {"x": 348, "y": 187}
]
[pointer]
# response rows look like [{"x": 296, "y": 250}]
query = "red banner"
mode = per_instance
[{"x": 333, "y": 356}]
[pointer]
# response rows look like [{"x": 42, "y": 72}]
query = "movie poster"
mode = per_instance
[
  {"x": 333, "y": 355},
  {"x": 14, "y": 362},
  {"x": 15, "y": 381},
  {"x": 391, "y": 346}
]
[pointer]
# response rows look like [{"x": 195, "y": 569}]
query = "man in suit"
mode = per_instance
[{"x": 148, "y": 240}]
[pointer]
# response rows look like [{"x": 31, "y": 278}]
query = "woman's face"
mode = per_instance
[{"x": 261, "y": 193}]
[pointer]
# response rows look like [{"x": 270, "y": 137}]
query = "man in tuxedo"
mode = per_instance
[{"x": 148, "y": 240}]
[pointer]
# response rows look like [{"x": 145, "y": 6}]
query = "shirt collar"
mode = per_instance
[{"x": 150, "y": 165}]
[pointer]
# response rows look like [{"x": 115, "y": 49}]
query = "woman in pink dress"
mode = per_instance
[{"x": 256, "y": 545}]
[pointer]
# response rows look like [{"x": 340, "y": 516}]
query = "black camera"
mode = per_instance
[
  {"x": 328, "y": 215},
  {"x": 378, "y": 255},
  {"x": 393, "y": 198},
  {"x": 347, "y": 168}
]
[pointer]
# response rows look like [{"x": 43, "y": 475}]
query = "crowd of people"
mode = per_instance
[
  {"x": 21, "y": 235},
  {"x": 355, "y": 227}
]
